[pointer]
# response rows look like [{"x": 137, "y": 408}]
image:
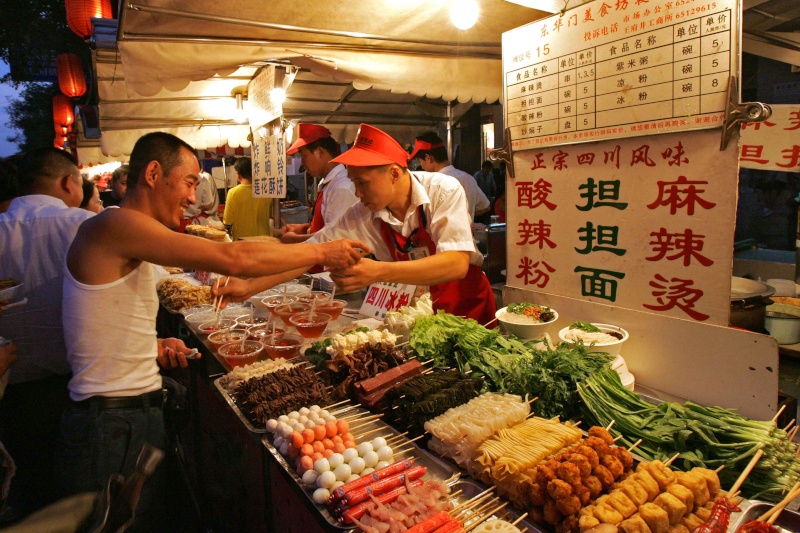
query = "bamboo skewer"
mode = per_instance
[
  {"x": 608, "y": 427},
  {"x": 790, "y": 424},
  {"x": 738, "y": 484},
  {"x": 473, "y": 510},
  {"x": 456, "y": 509},
  {"x": 368, "y": 433},
  {"x": 487, "y": 513},
  {"x": 790, "y": 437},
  {"x": 518, "y": 520},
  {"x": 327, "y": 407},
  {"x": 617, "y": 438},
  {"x": 672, "y": 459},
  {"x": 718, "y": 470},
  {"x": 775, "y": 418},
  {"x": 772, "y": 514},
  {"x": 635, "y": 445}
]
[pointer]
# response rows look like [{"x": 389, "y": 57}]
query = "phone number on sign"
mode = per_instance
[{"x": 695, "y": 10}]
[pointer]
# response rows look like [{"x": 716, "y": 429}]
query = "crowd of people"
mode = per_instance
[{"x": 90, "y": 396}]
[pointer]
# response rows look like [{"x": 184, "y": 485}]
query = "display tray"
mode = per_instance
[
  {"x": 470, "y": 488},
  {"x": 437, "y": 469},
  {"x": 788, "y": 521},
  {"x": 232, "y": 403}
]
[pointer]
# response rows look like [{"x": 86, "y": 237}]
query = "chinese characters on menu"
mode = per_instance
[{"x": 269, "y": 166}]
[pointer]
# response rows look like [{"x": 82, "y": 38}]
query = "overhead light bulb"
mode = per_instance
[
  {"x": 464, "y": 13},
  {"x": 277, "y": 95},
  {"x": 240, "y": 116}
]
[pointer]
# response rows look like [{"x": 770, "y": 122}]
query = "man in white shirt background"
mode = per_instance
[
  {"x": 36, "y": 233},
  {"x": 431, "y": 152}
]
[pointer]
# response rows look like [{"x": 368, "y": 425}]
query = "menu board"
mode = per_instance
[
  {"x": 619, "y": 68},
  {"x": 262, "y": 107},
  {"x": 639, "y": 223},
  {"x": 269, "y": 165},
  {"x": 775, "y": 143},
  {"x": 384, "y": 297}
]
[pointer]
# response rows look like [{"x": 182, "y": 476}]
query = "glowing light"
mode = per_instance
[
  {"x": 277, "y": 95},
  {"x": 240, "y": 115},
  {"x": 464, "y": 13}
]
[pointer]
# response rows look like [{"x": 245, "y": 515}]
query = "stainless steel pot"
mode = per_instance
[{"x": 749, "y": 301}]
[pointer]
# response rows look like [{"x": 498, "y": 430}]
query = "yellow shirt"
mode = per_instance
[{"x": 246, "y": 215}]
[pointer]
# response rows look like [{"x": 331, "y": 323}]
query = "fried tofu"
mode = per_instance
[
  {"x": 656, "y": 517},
  {"x": 674, "y": 507}
]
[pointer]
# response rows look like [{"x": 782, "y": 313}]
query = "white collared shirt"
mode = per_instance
[
  {"x": 476, "y": 200},
  {"x": 442, "y": 199},
  {"x": 339, "y": 194},
  {"x": 35, "y": 235}
]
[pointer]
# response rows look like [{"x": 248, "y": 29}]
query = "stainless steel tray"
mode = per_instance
[
  {"x": 232, "y": 403},
  {"x": 437, "y": 469},
  {"x": 788, "y": 521}
]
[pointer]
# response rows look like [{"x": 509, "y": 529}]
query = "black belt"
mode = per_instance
[{"x": 146, "y": 400}]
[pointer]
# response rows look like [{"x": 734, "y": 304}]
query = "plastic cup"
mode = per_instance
[
  {"x": 218, "y": 338},
  {"x": 195, "y": 319},
  {"x": 310, "y": 325},
  {"x": 223, "y": 324},
  {"x": 285, "y": 311},
  {"x": 246, "y": 321},
  {"x": 186, "y": 311},
  {"x": 241, "y": 353},
  {"x": 287, "y": 346},
  {"x": 271, "y": 302},
  {"x": 232, "y": 312},
  {"x": 264, "y": 331},
  {"x": 319, "y": 296},
  {"x": 331, "y": 307}
]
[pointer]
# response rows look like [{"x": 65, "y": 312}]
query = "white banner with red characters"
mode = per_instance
[
  {"x": 640, "y": 223},
  {"x": 619, "y": 68},
  {"x": 384, "y": 297},
  {"x": 269, "y": 165},
  {"x": 773, "y": 144}
]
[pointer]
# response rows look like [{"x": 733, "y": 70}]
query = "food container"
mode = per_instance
[
  {"x": 186, "y": 311},
  {"x": 258, "y": 333},
  {"x": 749, "y": 301},
  {"x": 287, "y": 346},
  {"x": 285, "y": 311},
  {"x": 611, "y": 348},
  {"x": 195, "y": 319},
  {"x": 314, "y": 295},
  {"x": 218, "y": 338},
  {"x": 332, "y": 307},
  {"x": 240, "y": 354},
  {"x": 273, "y": 301},
  {"x": 788, "y": 521},
  {"x": 248, "y": 321},
  {"x": 525, "y": 331},
  {"x": 213, "y": 325},
  {"x": 783, "y": 327},
  {"x": 232, "y": 311},
  {"x": 310, "y": 325}
]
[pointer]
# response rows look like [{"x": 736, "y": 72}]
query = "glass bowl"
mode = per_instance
[
  {"x": 271, "y": 302},
  {"x": 236, "y": 356},
  {"x": 210, "y": 326},
  {"x": 310, "y": 325},
  {"x": 287, "y": 346},
  {"x": 285, "y": 311},
  {"x": 218, "y": 338},
  {"x": 331, "y": 307}
]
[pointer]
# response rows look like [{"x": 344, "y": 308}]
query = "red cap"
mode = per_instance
[
  {"x": 422, "y": 145},
  {"x": 307, "y": 134},
  {"x": 373, "y": 147}
]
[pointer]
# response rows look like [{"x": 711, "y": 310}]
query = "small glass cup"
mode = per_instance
[
  {"x": 259, "y": 333},
  {"x": 218, "y": 338},
  {"x": 246, "y": 321},
  {"x": 241, "y": 353},
  {"x": 223, "y": 324},
  {"x": 285, "y": 311},
  {"x": 310, "y": 325},
  {"x": 271, "y": 302},
  {"x": 287, "y": 346},
  {"x": 331, "y": 307},
  {"x": 319, "y": 296}
]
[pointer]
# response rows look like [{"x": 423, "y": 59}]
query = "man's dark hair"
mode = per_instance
[
  {"x": 157, "y": 146},
  {"x": 44, "y": 164},
  {"x": 326, "y": 143},
  {"x": 121, "y": 171},
  {"x": 88, "y": 192},
  {"x": 244, "y": 167},
  {"x": 439, "y": 154},
  {"x": 9, "y": 188}
]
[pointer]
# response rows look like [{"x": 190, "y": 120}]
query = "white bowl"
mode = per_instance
[
  {"x": 611, "y": 348},
  {"x": 525, "y": 331}
]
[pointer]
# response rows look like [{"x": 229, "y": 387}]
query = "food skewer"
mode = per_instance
[
  {"x": 769, "y": 512},
  {"x": 355, "y": 418},
  {"x": 775, "y": 418},
  {"x": 635, "y": 445},
  {"x": 328, "y": 407},
  {"x": 454, "y": 510},
  {"x": 746, "y": 472},
  {"x": 615, "y": 438},
  {"x": 367, "y": 433},
  {"x": 672, "y": 459},
  {"x": 518, "y": 520},
  {"x": 719, "y": 469},
  {"x": 610, "y": 425},
  {"x": 772, "y": 515},
  {"x": 790, "y": 424},
  {"x": 487, "y": 513}
]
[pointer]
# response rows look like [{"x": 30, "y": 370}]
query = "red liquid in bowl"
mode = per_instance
[
  {"x": 310, "y": 326},
  {"x": 285, "y": 311},
  {"x": 333, "y": 308},
  {"x": 286, "y": 348}
]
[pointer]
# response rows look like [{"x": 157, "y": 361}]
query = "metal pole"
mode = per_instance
[{"x": 450, "y": 131}]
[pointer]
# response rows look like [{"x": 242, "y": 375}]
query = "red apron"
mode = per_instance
[
  {"x": 471, "y": 297},
  {"x": 317, "y": 222}
]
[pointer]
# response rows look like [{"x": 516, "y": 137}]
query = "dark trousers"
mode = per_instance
[
  {"x": 97, "y": 442},
  {"x": 30, "y": 417}
]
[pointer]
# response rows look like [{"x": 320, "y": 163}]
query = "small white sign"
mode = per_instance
[
  {"x": 269, "y": 166},
  {"x": 262, "y": 108},
  {"x": 384, "y": 297}
]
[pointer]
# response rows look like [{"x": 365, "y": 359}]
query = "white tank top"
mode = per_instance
[{"x": 110, "y": 333}]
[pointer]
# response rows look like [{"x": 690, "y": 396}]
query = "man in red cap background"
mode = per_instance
[
  {"x": 429, "y": 149},
  {"x": 416, "y": 224},
  {"x": 335, "y": 193}
]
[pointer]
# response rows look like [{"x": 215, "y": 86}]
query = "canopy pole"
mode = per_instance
[{"x": 450, "y": 131}]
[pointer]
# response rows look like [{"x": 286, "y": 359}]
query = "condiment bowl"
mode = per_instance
[
  {"x": 310, "y": 325},
  {"x": 516, "y": 326},
  {"x": 263, "y": 331},
  {"x": 611, "y": 348},
  {"x": 273, "y": 301},
  {"x": 331, "y": 307},
  {"x": 240, "y": 354},
  {"x": 287, "y": 346},
  {"x": 285, "y": 311},
  {"x": 223, "y": 324},
  {"x": 218, "y": 338}
]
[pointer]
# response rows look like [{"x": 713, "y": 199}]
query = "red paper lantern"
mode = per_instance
[
  {"x": 63, "y": 112},
  {"x": 60, "y": 141},
  {"x": 81, "y": 12},
  {"x": 70, "y": 75},
  {"x": 61, "y": 129}
]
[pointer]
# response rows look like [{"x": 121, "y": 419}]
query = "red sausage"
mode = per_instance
[
  {"x": 357, "y": 511},
  {"x": 430, "y": 524},
  {"x": 450, "y": 527},
  {"x": 363, "y": 481},
  {"x": 377, "y": 488}
]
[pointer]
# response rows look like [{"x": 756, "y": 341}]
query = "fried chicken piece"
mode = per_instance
[
  {"x": 589, "y": 453},
  {"x": 551, "y": 513},
  {"x": 569, "y": 472},
  {"x": 537, "y": 494},
  {"x": 598, "y": 445},
  {"x": 614, "y": 465},
  {"x": 582, "y": 462},
  {"x": 570, "y": 524},
  {"x": 634, "y": 524},
  {"x": 583, "y": 494},
  {"x": 594, "y": 486},
  {"x": 568, "y": 504},
  {"x": 544, "y": 474},
  {"x": 602, "y": 433},
  {"x": 604, "y": 475},
  {"x": 559, "y": 489},
  {"x": 623, "y": 455},
  {"x": 537, "y": 514}
]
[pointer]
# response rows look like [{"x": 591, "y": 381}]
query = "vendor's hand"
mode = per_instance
[
  {"x": 292, "y": 228},
  {"x": 8, "y": 354},
  {"x": 236, "y": 290},
  {"x": 172, "y": 353},
  {"x": 356, "y": 277},
  {"x": 343, "y": 253}
]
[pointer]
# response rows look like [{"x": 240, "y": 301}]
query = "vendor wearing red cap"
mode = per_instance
[
  {"x": 335, "y": 193},
  {"x": 417, "y": 226}
]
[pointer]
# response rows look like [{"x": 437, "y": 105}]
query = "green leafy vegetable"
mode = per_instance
[{"x": 585, "y": 326}]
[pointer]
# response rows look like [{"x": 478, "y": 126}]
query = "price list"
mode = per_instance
[{"x": 573, "y": 82}]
